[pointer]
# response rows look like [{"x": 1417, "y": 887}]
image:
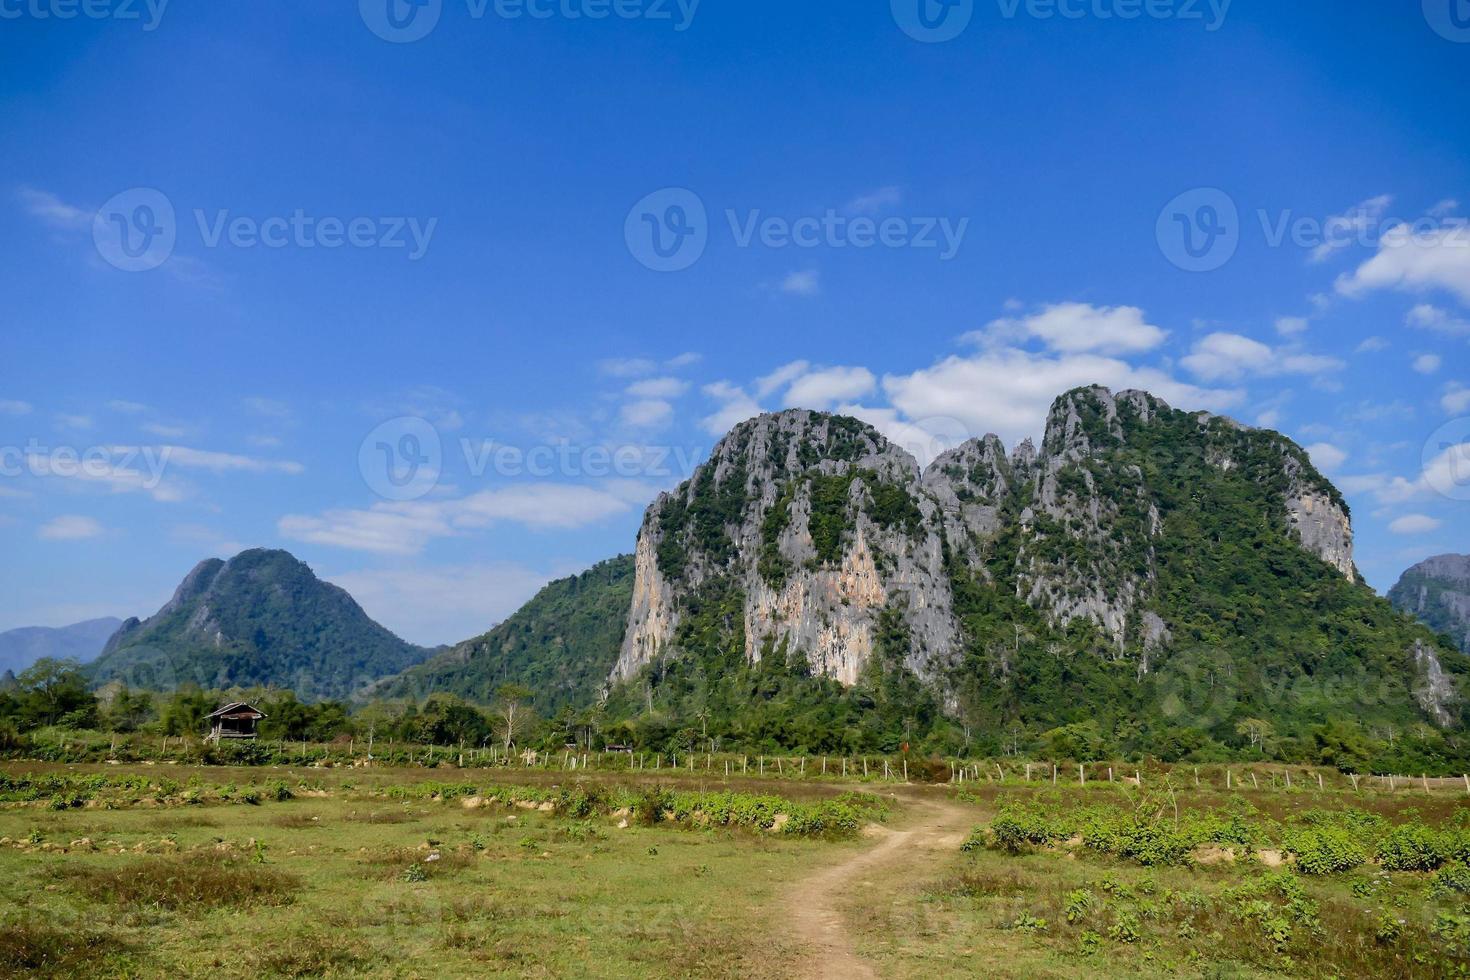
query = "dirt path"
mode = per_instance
[{"x": 931, "y": 830}]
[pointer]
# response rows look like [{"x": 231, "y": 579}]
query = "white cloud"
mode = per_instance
[
  {"x": 1074, "y": 328},
  {"x": 1371, "y": 345},
  {"x": 1269, "y": 419},
  {"x": 647, "y": 413},
  {"x": 877, "y": 200},
  {"x": 1326, "y": 456},
  {"x": 118, "y": 469},
  {"x": 74, "y": 421},
  {"x": 1341, "y": 231},
  {"x": 824, "y": 387},
  {"x": 735, "y": 406},
  {"x": 804, "y": 283},
  {"x": 1415, "y": 262},
  {"x": 264, "y": 442},
  {"x": 69, "y": 527},
  {"x": 627, "y": 367},
  {"x": 1009, "y": 391},
  {"x": 53, "y": 211},
  {"x": 1415, "y": 524},
  {"x": 769, "y": 384},
  {"x": 1231, "y": 356},
  {"x": 443, "y": 604},
  {"x": 1428, "y": 317},
  {"x": 164, "y": 431},
  {"x": 658, "y": 388},
  {"x": 12, "y": 407},
  {"x": 1444, "y": 208},
  {"x": 406, "y": 528},
  {"x": 1444, "y": 475},
  {"x": 1456, "y": 400},
  {"x": 1427, "y": 363},
  {"x": 215, "y": 462},
  {"x": 269, "y": 408},
  {"x": 638, "y": 367},
  {"x": 127, "y": 407},
  {"x": 1291, "y": 326}
]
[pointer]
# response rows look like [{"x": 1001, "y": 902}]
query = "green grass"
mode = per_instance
[
  {"x": 188, "y": 871},
  {"x": 388, "y": 875}
]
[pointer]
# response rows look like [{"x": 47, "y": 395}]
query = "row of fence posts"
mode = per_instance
[{"x": 959, "y": 773}]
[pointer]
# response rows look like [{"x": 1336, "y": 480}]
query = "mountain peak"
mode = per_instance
[
  {"x": 1436, "y": 591},
  {"x": 260, "y": 618}
]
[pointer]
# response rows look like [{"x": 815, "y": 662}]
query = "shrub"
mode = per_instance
[
  {"x": 1018, "y": 826},
  {"x": 1451, "y": 880},
  {"x": 1325, "y": 850},
  {"x": 1411, "y": 847}
]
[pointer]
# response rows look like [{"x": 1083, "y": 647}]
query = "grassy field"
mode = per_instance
[{"x": 179, "y": 870}]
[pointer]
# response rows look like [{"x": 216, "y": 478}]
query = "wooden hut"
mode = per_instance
[{"x": 235, "y": 720}]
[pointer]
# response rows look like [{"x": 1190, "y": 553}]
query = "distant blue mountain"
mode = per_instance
[{"x": 19, "y": 648}]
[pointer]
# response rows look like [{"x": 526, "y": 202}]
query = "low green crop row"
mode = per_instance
[
  {"x": 1322, "y": 842},
  {"x": 841, "y": 816}
]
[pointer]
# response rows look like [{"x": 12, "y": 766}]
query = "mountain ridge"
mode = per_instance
[{"x": 23, "y": 646}]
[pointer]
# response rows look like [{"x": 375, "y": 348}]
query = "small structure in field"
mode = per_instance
[{"x": 235, "y": 720}]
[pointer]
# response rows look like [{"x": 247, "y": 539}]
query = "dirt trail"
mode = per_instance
[{"x": 931, "y": 830}]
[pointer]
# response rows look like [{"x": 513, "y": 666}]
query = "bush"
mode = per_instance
[
  {"x": 1018, "y": 826},
  {"x": 1412, "y": 847},
  {"x": 1325, "y": 850},
  {"x": 1451, "y": 881}
]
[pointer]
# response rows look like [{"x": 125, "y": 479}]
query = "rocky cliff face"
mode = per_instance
[
  {"x": 808, "y": 527},
  {"x": 812, "y": 525},
  {"x": 1437, "y": 593}
]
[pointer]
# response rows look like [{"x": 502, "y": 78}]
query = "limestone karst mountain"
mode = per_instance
[
  {"x": 1139, "y": 555},
  {"x": 1437, "y": 593}
]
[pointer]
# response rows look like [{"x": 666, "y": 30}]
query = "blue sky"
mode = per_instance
[{"x": 247, "y": 245}]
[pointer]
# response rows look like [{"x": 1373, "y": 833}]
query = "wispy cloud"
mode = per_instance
[
  {"x": 407, "y": 528},
  {"x": 70, "y": 527}
]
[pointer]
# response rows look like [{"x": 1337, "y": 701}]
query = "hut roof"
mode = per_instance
[{"x": 237, "y": 709}]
